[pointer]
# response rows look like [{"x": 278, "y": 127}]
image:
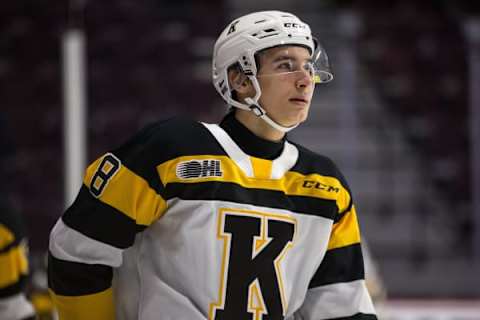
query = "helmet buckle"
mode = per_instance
[{"x": 257, "y": 110}]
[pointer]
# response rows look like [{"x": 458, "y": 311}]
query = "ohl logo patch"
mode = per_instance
[{"x": 199, "y": 169}]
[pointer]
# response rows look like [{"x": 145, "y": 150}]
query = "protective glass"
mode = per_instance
[{"x": 286, "y": 63}]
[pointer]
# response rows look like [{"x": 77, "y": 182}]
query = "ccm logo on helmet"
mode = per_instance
[{"x": 294, "y": 25}]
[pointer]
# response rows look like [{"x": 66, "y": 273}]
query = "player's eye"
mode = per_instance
[
  {"x": 308, "y": 66},
  {"x": 286, "y": 65}
]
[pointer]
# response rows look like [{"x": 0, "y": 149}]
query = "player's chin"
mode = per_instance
[
  {"x": 301, "y": 115},
  {"x": 295, "y": 119}
]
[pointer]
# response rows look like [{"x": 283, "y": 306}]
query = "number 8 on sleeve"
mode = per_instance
[{"x": 105, "y": 171}]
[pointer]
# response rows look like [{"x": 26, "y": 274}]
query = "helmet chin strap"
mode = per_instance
[
  {"x": 252, "y": 105},
  {"x": 255, "y": 107}
]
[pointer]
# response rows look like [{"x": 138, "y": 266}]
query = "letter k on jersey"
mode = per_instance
[{"x": 251, "y": 284}]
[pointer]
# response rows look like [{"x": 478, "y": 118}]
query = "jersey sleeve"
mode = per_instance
[
  {"x": 13, "y": 269},
  {"x": 121, "y": 195},
  {"x": 337, "y": 289}
]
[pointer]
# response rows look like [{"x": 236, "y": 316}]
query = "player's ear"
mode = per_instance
[{"x": 239, "y": 81}]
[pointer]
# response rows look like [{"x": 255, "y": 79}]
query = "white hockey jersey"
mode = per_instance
[{"x": 182, "y": 223}]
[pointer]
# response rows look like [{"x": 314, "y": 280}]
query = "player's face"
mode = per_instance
[{"x": 286, "y": 80}]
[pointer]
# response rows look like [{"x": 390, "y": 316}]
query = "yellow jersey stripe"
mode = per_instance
[
  {"x": 14, "y": 265},
  {"x": 345, "y": 232},
  {"x": 137, "y": 199},
  {"x": 98, "y": 306},
  {"x": 262, "y": 169},
  {"x": 6, "y": 236},
  {"x": 292, "y": 183}
]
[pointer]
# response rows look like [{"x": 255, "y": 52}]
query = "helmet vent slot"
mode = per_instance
[
  {"x": 268, "y": 35},
  {"x": 265, "y": 33},
  {"x": 260, "y": 21}
]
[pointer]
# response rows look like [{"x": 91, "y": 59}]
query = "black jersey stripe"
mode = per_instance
[
  {"x": 134, "y": 150},
  {"x": 14, "y": 288},
  {"x": 343, "y": 264},
  {"x": 10, "y": 246},
  {"x": 68, "y": 278},
  {"x": 101, "y": 222},
  {"x": 225, "y": 191},
  {"x": 340, "y": 215},
  {"x": 345, "y": 232}
]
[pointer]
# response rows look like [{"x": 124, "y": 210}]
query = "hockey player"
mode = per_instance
[
  {"x": 232, "y": 221},
  {"x": 13, "y": 268}
]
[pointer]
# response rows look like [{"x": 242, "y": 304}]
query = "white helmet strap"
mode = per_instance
[
  {"x": 254, "y": 106},
  {"x": 261, "y": 113}
]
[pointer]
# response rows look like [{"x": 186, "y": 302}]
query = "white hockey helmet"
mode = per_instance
[{"x": 245, "y": 37}]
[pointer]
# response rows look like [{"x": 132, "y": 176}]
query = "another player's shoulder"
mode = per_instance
[
  {"x": 310, "y": 162},
  {"x": 11, "y": 227}
]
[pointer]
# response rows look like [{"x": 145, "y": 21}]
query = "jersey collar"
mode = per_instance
[{"x": 248, "y": 141}]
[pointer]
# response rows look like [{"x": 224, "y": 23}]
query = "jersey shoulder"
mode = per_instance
[
  {"x": 160, "y": 142},
  {"x": 310, "y": 162},
  {"x": 168, "y": 139}
]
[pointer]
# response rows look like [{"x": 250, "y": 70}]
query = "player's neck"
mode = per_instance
[{"x": 258, "y": 126}]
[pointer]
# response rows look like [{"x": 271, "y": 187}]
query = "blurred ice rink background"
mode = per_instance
[{"x": 401, "y": 119}]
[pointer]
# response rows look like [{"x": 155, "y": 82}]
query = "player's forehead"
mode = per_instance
[{"x": 294, "y": 52}]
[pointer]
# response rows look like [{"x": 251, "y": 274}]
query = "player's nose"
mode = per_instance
[{"x": 304, "y": 79}]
